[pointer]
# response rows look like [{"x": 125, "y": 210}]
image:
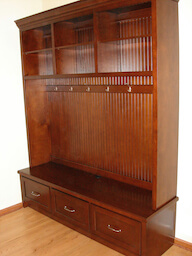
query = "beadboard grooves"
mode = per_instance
[
  {"x": 98, "y": 141},
  {"x": 74, "y": 120}
]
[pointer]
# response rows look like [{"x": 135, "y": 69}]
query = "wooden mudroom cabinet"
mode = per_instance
[{"x": 101, "y": 99}]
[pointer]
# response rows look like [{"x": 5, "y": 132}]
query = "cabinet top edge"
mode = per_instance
[{"x": 59, "y": 13}]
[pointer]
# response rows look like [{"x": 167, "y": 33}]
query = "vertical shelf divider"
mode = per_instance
[
  {"x": 53, "y": 49},
  {"x": 95, "y": 31}
]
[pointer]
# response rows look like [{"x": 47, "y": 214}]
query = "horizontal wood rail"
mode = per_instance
[
  {"x": 100, "y": 172},
  {"x": 73, "y": 45},
  {"x": 38, "y": 51},
  {"x": 124, "y": 38},
  {"x": 110, "y": 74},
  {"x": 105, "y": 89}
]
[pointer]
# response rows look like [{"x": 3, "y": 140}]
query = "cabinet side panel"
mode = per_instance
[
  {"x": 161, "y": 230},
  {"x": 167, "y": 99},
  {"x": 37, "y": 114}
]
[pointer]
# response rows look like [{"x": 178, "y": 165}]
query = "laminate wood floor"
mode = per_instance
[{"x": 27, "y": 232}]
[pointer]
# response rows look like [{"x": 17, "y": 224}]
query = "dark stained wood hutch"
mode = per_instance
[{"x": 101, "y": 99}]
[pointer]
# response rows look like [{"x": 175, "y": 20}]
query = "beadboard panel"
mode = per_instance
[{"x": 87, "y": 128}]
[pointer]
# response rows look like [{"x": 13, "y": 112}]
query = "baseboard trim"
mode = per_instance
[
  {"x": 10, "y": 209},
  {"x": 184, "y": 244}
]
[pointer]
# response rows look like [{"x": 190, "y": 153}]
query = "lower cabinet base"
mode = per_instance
[
  {"x": 128, "y": 233},
  {"x": 154, "y": 244},
  {"x": 160, "y": 230}
]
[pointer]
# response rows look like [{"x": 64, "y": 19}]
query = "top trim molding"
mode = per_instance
[{"x": 68, "y": 10}]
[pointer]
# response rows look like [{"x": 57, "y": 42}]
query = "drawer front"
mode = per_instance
[
  {"x": 71, "y": 209},
  {"x": 36, "y": 193},
  {"x": 117, "y": 229}
]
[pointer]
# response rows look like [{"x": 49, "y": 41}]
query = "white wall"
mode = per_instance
[
  {"x": 49, "y": 4},
  {"x": 184, "y": 191},
  {"x": 13, "y": 144}
]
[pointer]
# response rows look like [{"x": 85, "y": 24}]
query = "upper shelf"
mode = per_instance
[
  {"x": 125, "y": 23},
  {"x": 110, "y": 41},
  {"x": 37, "y": 39},
  {"x": 74, "y": 31}
]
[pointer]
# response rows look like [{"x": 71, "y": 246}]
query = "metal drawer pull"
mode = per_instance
[
  {"x": 33, "y": 193},
  {"x": 68, "y": 210},
  {"x": 113, "y": 229}
]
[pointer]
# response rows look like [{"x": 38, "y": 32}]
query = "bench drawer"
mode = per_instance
[
  {"x": 36, "y": 194},
  {"x": 117, "y": 229},
  {"x": 71, "y": 209}
]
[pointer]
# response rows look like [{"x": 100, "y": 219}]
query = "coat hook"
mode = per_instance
[
  {"x": 107, "y": 89},
  {"x": 129, "y": 89},
  {"x": 88, "y": 89}
]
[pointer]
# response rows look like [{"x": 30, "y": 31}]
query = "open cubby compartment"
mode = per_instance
[
  {"x": 37, "y": 39},
  {"x": 125, "y": 39},
  {"x": 130, "y": 55},
  {"x": 38, "y": 63},
  {"x": 75, "y": 59},
  {"x": 74, "y": 31},
  {"x": 124, "y": 22}
]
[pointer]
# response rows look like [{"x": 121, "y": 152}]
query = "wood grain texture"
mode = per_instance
[
  {"x": 118, "y": 150},
  {"x": 71, "y": 209},
  {"x": 122, "y": 231},
  {"x": 125, "y": 40},
  {"x": 38, "y": 63},
  {"x": 37, "y": 39},
  {"x": 167, "y": 100},
  {"x": 37, "y": 116},
  {"x": 88, "y": 75},
  {"x": 11, "y": 209},
  {"x": 103, "y": 79},
  {"x": 161, "y": 231},
  {"x": 70, "y": 11},
  {"x": 183, "y": 244},
  {"x": 74, "y": 53},
  {"x": 36, "y": 195},
  {"x": 88, "y": 128},
  {"x": 75, "y": 60},
  {"x": 176, "y": 251},
  {"x": 125, "y": 199},
  {"x": 27, "y": 232},
  {"x": 158, "y": 227},
  {"x": 154, "y": 48},
  {"x": 101, "y": 89}
]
